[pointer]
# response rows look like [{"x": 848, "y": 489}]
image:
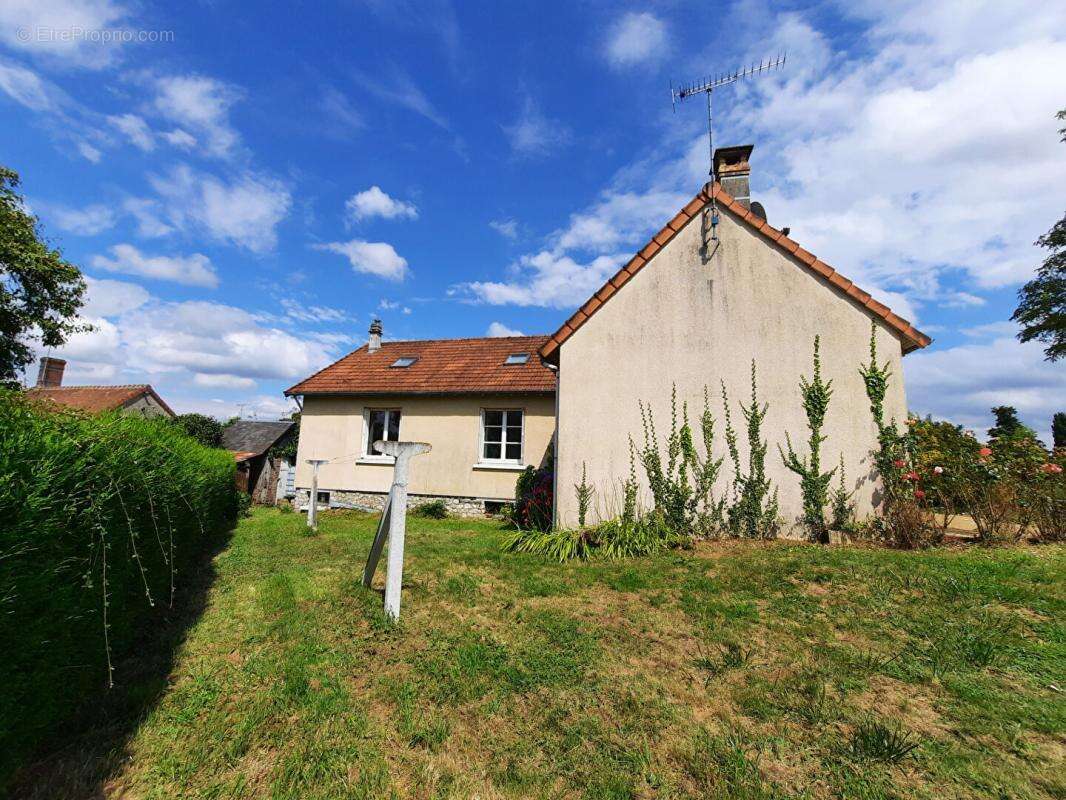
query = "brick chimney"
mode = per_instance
[
  {"x": 732, "y": 170},
  {"x": 373, "y": 344},
  {"x": 50, "y": 375}
]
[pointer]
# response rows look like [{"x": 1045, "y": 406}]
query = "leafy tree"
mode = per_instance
[
  {"x": 1007, "y": 422},
  {"x": 40, "y": 292},
  {"x": 1058, "y": 429},
  {"x": 1042, "y": 301},
  {"x": 206, "y": 430}
]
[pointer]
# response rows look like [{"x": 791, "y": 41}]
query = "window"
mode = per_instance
[
  {"x": 501, "y": 435},
  {"x": 516, "y": 358},
  {"x": 405, "y": 361},
  {"x": 380, "y": 424},
  {"x": 322, "y": 498}
]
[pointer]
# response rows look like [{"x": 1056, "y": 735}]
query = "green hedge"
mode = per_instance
[{"x": 100, "y": 516}]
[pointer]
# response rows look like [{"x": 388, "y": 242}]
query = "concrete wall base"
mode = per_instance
[{"x": 375, "y": 501}]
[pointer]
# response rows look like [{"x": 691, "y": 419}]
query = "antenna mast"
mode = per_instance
[{"x": 707, "y": 87}]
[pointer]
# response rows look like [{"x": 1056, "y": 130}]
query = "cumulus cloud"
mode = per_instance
[
  {"x": 635, "y": 38},
  {"x": 201, "y": 104},
  {"x": 89, "y": 153},
  {"x": 534, "y": 135},
  {"x": 107, "y": 298},
  {"x": 499, "y": 330},
  {"x": 148, "y": 215},
  {"x": 372, "y": 258},
  {"x": 244, "y": 210},
  {"x": 35, "y": 27},
  {"x": 192, "y": 270},
  {"x": 222, "y": 381},
  {"x": 548, "y": 279},
  {"x": 373, "y": 202}
]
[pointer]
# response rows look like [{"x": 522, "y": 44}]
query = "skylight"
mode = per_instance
[
  {"x": 517, "y": 358},
  {"x": 405, "y": 361}
]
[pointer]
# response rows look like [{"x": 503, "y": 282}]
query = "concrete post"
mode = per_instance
[
  {"x": 312, "y": 505},
  {"x": 403, "y": 452}
]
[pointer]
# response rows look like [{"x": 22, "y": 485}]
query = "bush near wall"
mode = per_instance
[{"x": 100, "y": 519}]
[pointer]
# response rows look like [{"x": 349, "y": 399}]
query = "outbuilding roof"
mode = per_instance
[
  {"x": 96, "y": 399},
  {"x": 436, "y": 366},
  {"x": 248, "y": 438},
  {"x": 911, "y": 337}
]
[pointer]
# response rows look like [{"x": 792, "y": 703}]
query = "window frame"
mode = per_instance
[
  {"x": 502, "y": 460},
  {"x": 367, "y": 453},
  {"x": 507, "y": 362}
]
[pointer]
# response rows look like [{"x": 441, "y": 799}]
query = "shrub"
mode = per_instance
[
  {"x": 534, "y": 504},
  {"x": 431, "y": 509},
  {"x": 204, "y": 429},
  {"x": 102, "y": 518},
  {"x": 841, "y": 507},
  {"x": 612, "y": 539}
]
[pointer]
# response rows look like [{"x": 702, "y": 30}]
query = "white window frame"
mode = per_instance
[
  {"x": 502, "y": 460},
  {"x": 369, "y": 455}
]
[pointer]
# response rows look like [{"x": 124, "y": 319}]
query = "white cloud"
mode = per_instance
[
  {"x": 373, "y": 202},
  {"x": 635, "y": 38},
  {"x": 223, "y": 381},
  {"x": 402, "y": 91},
  {"x": 244, "y": 211},
  {"x": 135, "y": 129},
  {"x": 341, "y": 117},
  {"x": 312, "y": 313},
  {"x": 962, "y": 300},
  {"x": 87, "y": 221},
  {"x": 107, "y": 298},
  {"x": 535, "y": 135},
  {"x": 192, "y": 270},
  {"x": 507, "y": 228},
  {"x": 180, "y": 139},
  {"x": 48, "y": 29},
  {"x": 548, "y": 279},
  {"x": 26, "y": 87},
  {"x": 201, "y": 104},
  {"x": 89, "y": 153},
  {"x": 962, "y": 383},
  {"x": 373, "y": 258},
  {"x": 498, "y": 329},
  {"x": 148, "y": 214}
]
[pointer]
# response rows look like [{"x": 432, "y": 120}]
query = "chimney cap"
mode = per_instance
[
  {"x": 732, "y": 159},
  {"x": 375, "y": 326}
]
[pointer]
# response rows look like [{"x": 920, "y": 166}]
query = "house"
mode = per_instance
[
  {"x": 259, "y": 473},
  {"x": 715, "y": 288},
  {"x": 487, "y": 406},
  {"x": 138, "y": 399}
]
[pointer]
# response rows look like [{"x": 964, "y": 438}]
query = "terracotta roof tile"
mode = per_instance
[
  {"x": 96, "y": 399},
  {"x": 443, "y": 366},
  {"x": 913, "y": 338}
]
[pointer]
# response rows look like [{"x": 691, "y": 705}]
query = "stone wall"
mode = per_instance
[{"x": 375, "y": 501}]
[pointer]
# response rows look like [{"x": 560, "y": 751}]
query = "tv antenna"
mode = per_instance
[{"x": 716, "y": 81}]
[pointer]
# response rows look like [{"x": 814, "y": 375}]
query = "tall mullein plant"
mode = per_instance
[
  {"x": 814, "y": 483},
  {"x": 754, "y": 510},
  {"x": 891, "y": 446}
]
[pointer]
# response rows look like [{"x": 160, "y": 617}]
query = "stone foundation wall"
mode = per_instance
[{"x": 375, "y": 501}]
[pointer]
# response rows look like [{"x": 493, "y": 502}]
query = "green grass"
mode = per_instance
[{"x": 736, "y": 670}]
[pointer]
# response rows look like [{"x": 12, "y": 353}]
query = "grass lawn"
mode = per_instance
[{"x": 734, "y": 670}]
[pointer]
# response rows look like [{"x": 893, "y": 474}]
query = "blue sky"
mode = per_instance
[{"x": 247, "y": 186}]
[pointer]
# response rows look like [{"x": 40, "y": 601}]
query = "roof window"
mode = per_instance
[
  {"x": 405, "y": 361},
  {"x": 516, "y": 358}
]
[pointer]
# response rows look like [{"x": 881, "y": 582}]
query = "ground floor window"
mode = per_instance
[
  {"x": 380, "y": 424},
  {"x": 501, "y": 435}
]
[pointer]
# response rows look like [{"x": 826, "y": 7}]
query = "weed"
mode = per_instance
[
  {"x": 872, "y": 740},
  {"x": 431, "y": 509}
]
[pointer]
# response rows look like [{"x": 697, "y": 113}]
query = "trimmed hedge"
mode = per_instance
[{"x": 99, "y": 518}]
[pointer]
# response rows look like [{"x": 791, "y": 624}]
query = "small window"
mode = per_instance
[
  {"x": 382, "y": 424},
  {"x": 405, "y": 361},
  {"x": 501, "y": 435},
  {"x": 322, "y": 498},
  {"x": 516, "y": 358}
]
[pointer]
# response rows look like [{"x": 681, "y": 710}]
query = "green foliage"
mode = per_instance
[
  {"x": 286, "y": 448},
  {"x": 204, "y": 429},
  {"x": 1007, "y": 422},
  {"x": 560, "y": 544},
  {"x": 754, "y": 510},
  {"x": 533, "y": 507},
  {"x": 842, "y": 510},
  {"x": 1058, "y": 429},
  {"x": 1041, "y": 308},
  {"x": 244, "y": 504},
  {"x": 40, "y": 292},
  {"x": 584, "y": 496},
  {"x": 814, "y": 483},
  {"x": 617, "y": 538},
  {"x": 431, "y": 509},
  {"x": 681, "y": 488},
  {"x": 874, "y": 741},
  {"x": 102, "y": 515}
]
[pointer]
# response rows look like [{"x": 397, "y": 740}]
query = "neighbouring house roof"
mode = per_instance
[
  {"x": 912, "y": 338},
  {"x": 249, "y": 438},
  {"x": 441, "y": 366},
  {"x": 96, "y": 399}
]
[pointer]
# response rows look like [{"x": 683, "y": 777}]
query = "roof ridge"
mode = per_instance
[
  {"x": 95, "y": 386},
  {"x": 776, "y": 237}
]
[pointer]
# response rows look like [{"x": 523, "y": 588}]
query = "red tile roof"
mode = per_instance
[
  {"x": 443, "y": 366},
  {"x": 96, "y": 399},
  {"x": 912, "y": 338}
]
